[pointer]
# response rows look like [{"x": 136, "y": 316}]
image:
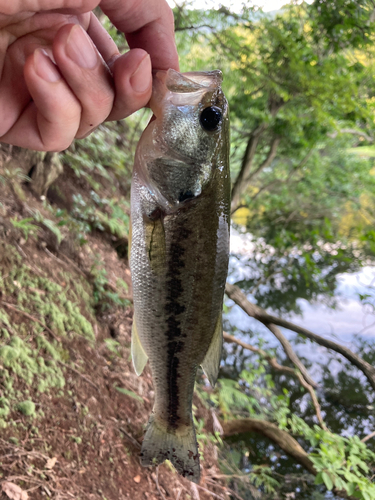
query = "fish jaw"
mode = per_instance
[{"x": 174, "y": 86}]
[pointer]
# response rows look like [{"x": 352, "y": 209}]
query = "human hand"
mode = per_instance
[{"x": 61, "y": 74}]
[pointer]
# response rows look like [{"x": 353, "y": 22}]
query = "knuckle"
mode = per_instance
[
  {"x": 54, "y": 139},
  {"x": 57, "y": 145},
  {"x": 103, "y": 101}
]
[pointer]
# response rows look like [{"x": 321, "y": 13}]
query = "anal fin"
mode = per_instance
[
  {"x": 139, "y": 356},
  {"x": 211, "y": 362}
]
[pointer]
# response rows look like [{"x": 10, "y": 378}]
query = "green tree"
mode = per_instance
[{"x": 300, "y": 88}]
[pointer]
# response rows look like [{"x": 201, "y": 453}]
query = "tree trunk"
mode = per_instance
[
  {"x": 239, "y": 184},
  {"x": 43, "y": 168},
  {"x": 46, "y": 170}
]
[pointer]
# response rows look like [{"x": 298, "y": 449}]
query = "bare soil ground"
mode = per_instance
[{"x": 83, "y": 439}]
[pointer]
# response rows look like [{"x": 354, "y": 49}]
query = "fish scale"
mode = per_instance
[{"x": 180, "y": 203}]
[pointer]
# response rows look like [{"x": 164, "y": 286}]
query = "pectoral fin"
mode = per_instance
[
  {"x": 155, "y": 244},
  {"x": 211, "y": 362},
  {"x": 139, "y": 356}
]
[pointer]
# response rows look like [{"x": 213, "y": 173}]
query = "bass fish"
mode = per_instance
[{"x": 180, "y": 210}]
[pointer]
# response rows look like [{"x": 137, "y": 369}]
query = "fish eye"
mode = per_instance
[{"x": 210, "y": 118}]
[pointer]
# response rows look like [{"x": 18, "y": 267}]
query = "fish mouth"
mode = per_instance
[{"x": 174, "y": 83}]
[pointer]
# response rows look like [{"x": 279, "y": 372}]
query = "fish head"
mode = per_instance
[
  {"x": 188, "y": 134},
  {"x": 191, "y": 111}
]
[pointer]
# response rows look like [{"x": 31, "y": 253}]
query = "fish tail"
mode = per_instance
[{"x": 180, "y": 448}]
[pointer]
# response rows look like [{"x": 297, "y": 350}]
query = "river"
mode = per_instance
[
  {"x": 349, "y": 320},
  {"x": 347, "y": 403}
]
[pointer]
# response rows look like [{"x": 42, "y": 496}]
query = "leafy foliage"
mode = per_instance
[
  {"x": 292, "y": 90},
  {"x": 302, "y": 100},
  {"x": 300, "y": 89},
  {"x": 342, "y": 463},
  {"x": 25, "y": 352}
]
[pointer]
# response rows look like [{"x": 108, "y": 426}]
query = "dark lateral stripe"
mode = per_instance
[{"x": 173, "y": 309}]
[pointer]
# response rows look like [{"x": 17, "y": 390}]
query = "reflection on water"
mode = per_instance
[
  {"x": 350, "y": 318},
  {"x": 347, "y": 401}
]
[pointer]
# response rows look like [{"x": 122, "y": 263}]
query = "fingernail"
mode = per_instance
[
  {"x": 80, "y": 49},
  {"x": 44, "y": 66},
  {"x": 141, "y": 79}
]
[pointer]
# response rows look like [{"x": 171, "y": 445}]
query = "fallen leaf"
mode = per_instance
[
  {"x": 51, "y": 463},
  {"x": 13, "y": 491},
  {"x": 137, "y": 479}
]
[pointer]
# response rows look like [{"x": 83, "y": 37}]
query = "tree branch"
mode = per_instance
[
  {"x": 352, "y": 131},
  {"x": 261, "y": 315},
  {"x": 369, "y": 436},
  {"x": 184, "y": 28},
  {"x": 245, "y": 176},
  {"x": 278, "y": 436},
  {"x": 284, "y": 369},
  {"x": 256, "y": 312},
  {"x": 270, "y": 157},
  {"x": 271, "y": 431},
  {"x": 246, "y": 165}
]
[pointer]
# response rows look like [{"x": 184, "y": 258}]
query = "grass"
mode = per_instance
[{"x": 27, "y": 353}]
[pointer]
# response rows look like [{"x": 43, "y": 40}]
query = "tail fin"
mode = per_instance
[{"x": 181, "y": 449}]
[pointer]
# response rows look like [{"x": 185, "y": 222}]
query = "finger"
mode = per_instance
[
  {"x": 147, "y": 24},
  {"x": 13, "y": 7},
  {"x": 132, "y": 74},
  {"x": 14, "y": 95},
  {"x": 51, "y": 121},
  {"x": 86, "y": 74},
  {"x": 102, "y": 40}
]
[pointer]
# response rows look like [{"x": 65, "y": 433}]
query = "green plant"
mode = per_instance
[
  {"x": 262, "y": 477},
  {"x": 13, "y": 174},
  {"x": 49, "y": 224},
  {"x": 113, "y": 346},
  {"x": 27, "y": 408},
  {"x": 26, "y": 225},
  {"x": 26, "y": 352},
  {"x": 341, "y": 462},
  {"x": 102, "y": 214},
  {"x": 104, "y": 296},
  {"x": 129, "y": 393}
]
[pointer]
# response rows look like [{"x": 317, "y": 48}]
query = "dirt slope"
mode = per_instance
[{"x": 72, "y": 411}]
